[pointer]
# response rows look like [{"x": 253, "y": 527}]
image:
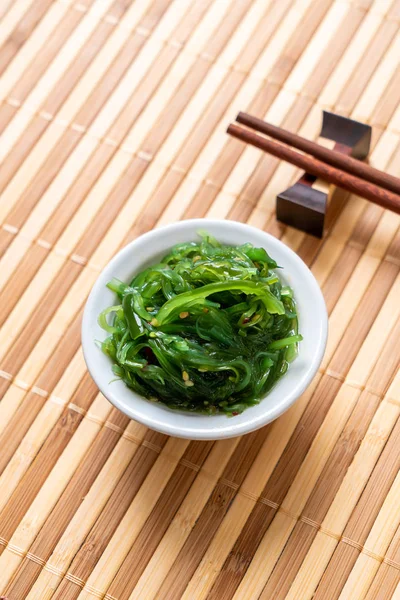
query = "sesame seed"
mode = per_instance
[
  {"x": 205, "y": 310},
  {"x": 189, "y": 383},
  {"x": 195, "y": 258},
  {"x": 149, "y": 308},
  {"x": 203, "y": 370},
  {"x": 185, "y": 376},
  {"x": 184, "y": 314},
  {"x": 154, "y": 322}
]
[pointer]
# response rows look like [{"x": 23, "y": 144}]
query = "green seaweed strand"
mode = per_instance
[{"x": 210, "y": 328}]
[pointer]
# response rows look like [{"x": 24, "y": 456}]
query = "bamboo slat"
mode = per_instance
[{"x": 112, "y": 122}]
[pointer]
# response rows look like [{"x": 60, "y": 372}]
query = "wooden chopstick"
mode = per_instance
[
  {"x": 342, "y": 179},
  {"x": 336, "y": 159}
]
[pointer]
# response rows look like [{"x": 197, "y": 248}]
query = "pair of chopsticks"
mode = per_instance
[{"x": 336, "y": 168}]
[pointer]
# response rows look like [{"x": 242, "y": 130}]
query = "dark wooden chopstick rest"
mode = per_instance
[{"x": 307, "y": 205}]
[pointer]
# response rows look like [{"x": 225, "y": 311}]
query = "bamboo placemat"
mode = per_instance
[{"x": 113, "y": 115}]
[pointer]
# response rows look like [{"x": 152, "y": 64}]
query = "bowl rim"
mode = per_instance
[{"x": 230, "y": 429}]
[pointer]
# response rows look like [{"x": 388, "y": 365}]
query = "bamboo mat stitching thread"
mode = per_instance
[{"x": 81, "y": 583}]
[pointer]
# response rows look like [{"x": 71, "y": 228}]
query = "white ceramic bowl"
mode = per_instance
[{"x": 147, "y": 250}]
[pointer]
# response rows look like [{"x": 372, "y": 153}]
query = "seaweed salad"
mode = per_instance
[{"x": 211, "y": 328}]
